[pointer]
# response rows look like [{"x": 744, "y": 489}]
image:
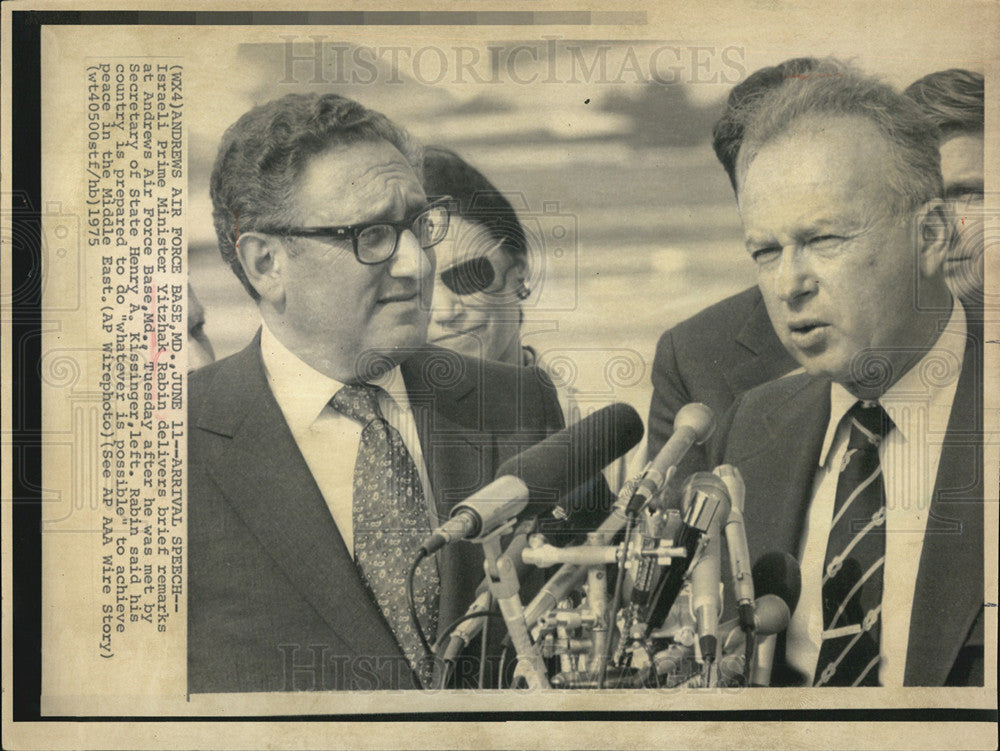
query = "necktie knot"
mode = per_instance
[
  {"x": 869, "y": 421},
  {"x": 359, "y": 401}
]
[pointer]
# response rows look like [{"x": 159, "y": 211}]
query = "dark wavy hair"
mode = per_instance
[
  {"x": 446, "y": 173},
  {"x": 952, "y": 99},
  {"x": 263, "y": 154}
]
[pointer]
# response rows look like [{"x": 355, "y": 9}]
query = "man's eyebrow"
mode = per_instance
[
  {"x": 817, "y": 227},
  {"x": 960, "y": 189}
]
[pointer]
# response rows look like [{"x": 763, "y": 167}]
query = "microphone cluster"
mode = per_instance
[{"x": 659, "y": 625}]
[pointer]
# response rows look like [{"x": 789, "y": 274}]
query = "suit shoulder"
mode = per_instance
[
  {"x": 200, "y": 381},
  {"x": 529, "y": 385},
  {"x": 729, "y": 314},
  {"x": 711, "y": 332},
  {"x": 450, "y": 370},
  {"x": 227, "y": 378},
  {"x": 506, "y": 395},
  {"x": 775, "y": 392},
  {"x": 741, "y": 423}
]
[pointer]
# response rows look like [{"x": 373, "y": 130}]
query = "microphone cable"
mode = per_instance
[
  {"x": 411, "y": 602},
  {"x": 446, "y": 634}
]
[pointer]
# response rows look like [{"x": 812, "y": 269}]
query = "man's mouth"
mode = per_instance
[
  {"x": 805, "y": 331},
  {"x": 399, "y": 297}
]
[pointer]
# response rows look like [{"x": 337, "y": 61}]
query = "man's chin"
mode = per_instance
[
  {"x": 385, "y": 354},
  {"x": 822, "y": 367},
  {"x": 867, "y": 375}
]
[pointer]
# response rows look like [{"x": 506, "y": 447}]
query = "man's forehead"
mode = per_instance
[
  {"x": 367, "y": 176},
  {"x": 844, "y": 152}
]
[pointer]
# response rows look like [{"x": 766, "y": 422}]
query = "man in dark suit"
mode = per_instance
[
  {"x": 322, "y": 454},
  {"x": 729, "y": 347},
  {"x": 867, "y": 467}
]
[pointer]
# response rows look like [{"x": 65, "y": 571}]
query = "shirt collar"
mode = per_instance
[
  {"x": 303, "y": 392},
  {"x": 930, "y": 379}
]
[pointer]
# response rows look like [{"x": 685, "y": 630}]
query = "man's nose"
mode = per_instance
[
  {"x": 794, "y": 277},
  {"x": 410, "y": 261}
]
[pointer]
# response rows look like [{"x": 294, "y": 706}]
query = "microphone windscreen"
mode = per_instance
[
  {"x": 772, "y": 614},
  {"x": 575, "y": 454},
  {"x": 778, "y": 574},
  {"x": 698, "y": 418}
]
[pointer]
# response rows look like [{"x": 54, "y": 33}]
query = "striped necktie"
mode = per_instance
[
  {"x": 390, "y": 523},
  {"x": 855, "y": 558}
]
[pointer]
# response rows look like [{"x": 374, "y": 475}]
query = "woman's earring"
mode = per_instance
[{"x": 523, "y": 292}]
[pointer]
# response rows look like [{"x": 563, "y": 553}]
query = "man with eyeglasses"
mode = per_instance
[{"x": 323, "y": 454}]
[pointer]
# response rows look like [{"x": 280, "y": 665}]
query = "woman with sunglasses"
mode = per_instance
[
  {"x": 479, "y": 288},
  {"x": 481, "y": 266}
]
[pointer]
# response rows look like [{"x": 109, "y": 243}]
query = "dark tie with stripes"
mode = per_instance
[
  {"x": 855, "y": 558},
  {"x": 390, "y": 523}
]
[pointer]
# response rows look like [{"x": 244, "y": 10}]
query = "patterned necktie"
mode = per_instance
[
  {"x": 390, "y": 523},
  {"x": 855, "y": 558}
]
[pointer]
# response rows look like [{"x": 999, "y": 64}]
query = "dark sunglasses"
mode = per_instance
[{"x": 466, "y": 278}]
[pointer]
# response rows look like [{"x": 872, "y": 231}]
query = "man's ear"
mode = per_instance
[
  {"x": 935, "y": 226},
  {"x": 264, "y": 259}
]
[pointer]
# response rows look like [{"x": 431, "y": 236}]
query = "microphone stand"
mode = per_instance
[{"x": 505, "y": 588}]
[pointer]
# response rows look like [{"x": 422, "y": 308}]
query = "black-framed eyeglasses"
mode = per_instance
[{"x": 376, "y": 242}]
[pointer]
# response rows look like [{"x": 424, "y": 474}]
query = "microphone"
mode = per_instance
[
  {"x": 706, "y": 506},
  {"x": 776, "y": 574},
  {"x": 533, "y": 481},
  {"x": 570, "y": 576},
  {"x": 693, "y": 424},
  {"x": 771, "y": 616},
  {"x": 736, "y": 542},
  {"x": 710, "y": 492},
  {"x": 467, "y": 630}
]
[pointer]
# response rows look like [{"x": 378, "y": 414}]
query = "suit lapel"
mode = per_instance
[
  {"x": 949, "y": 591},
  {"x": 460, "y": 459},
  {"x": 265, "y": 478},
  {"x": 779, "y": 461},
  {"x": 769, "y": 359}
]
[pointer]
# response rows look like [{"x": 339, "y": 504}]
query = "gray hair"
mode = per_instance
[
  {"x": 836, "y": 89},
  {"x": 262, "y": 156}
]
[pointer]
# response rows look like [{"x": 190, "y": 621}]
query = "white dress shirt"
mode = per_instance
[
  {"x": 920, "y": 406},
  {"x": 329, "y": 440}
]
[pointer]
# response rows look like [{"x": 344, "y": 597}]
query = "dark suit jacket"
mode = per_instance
[
  {"x": 774, "y": 435},
  {"x": 712, "y": 358},
  {"x": 275, "y": 600}
]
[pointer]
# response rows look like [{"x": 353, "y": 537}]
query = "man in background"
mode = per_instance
[{"x": 953, "y": 101}]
